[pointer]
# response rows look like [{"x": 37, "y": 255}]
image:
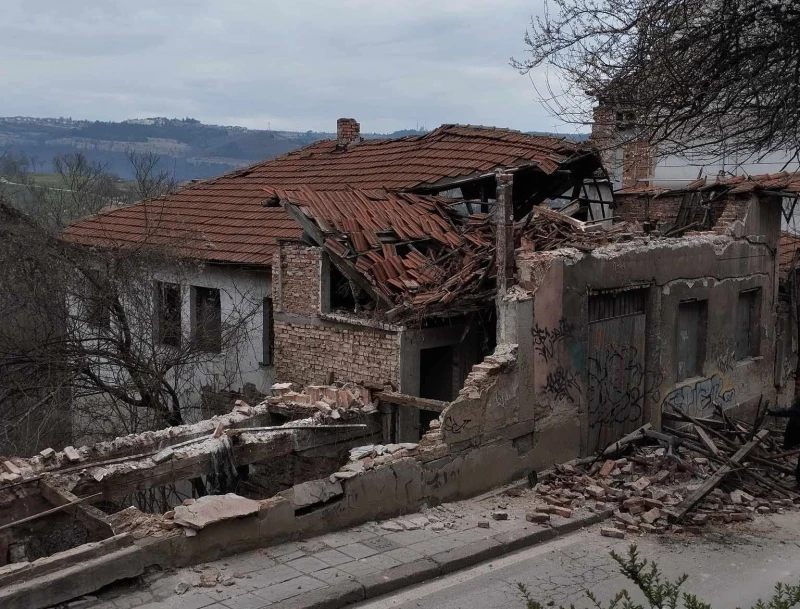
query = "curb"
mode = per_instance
[{"x": 396, "y": 578}]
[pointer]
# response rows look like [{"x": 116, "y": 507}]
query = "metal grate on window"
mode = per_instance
[{"x": 617, "y": 303}]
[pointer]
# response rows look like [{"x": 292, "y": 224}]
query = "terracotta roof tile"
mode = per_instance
[{"x": 221, "y": 219}]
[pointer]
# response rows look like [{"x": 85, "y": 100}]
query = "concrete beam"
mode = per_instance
[{"x": 196, "y": 459}]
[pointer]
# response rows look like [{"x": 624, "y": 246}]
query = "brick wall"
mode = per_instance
[
  {"x": 296, "y": 279},
  {"x": 306, "y": 353},
  {"x": 637, "y": 208},
  {"x": 604, "y": 131},
  {"x": 638, "y": 164},
  {"x": 347, "y": 130}
]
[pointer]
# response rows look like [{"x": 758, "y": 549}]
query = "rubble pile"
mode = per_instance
[
  {"x": 140, "y": 524},
  {"x": 680, "y": 479},
  {"x": 546, "y": 229},
  {"x": 340, "y": 401},
  {"x": 464, "y": 277},
  {"x": 363, "y": 458}
]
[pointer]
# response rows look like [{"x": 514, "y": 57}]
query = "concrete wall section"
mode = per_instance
[{"x": 711, "y": 268}]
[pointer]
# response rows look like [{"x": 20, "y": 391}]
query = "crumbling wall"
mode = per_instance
[
  {"x": 296, "y": 276},
  {"x": 308, "y": 347},
  {"x": 625, "y": 382}
]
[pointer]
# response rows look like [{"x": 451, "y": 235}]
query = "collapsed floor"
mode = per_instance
[{"x": 371, "y": 480}]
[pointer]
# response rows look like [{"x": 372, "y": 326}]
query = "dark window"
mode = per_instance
[
  {"x": 98, "y": 303},
  {"x": 341, "y": 292},
  {"x": 207, "y": 319},
  {"x": 690, "y": 344},
  {"x": 168, "y": 314},
  {"x": 748, "y": 315},
  {"x": 268, "y": 335}
]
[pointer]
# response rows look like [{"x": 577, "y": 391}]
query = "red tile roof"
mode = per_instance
[
  {"x": 223, "y": 219},
  {"x": 417, "y": 252}
]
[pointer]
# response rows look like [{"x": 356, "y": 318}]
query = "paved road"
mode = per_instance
[{"x": 732, "y": 569}]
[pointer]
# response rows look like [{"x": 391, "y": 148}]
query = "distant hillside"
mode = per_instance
[{"x": 187, "y": 147}]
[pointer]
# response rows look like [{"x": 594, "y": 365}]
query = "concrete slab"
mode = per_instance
[{"x": 214, "y": 508}]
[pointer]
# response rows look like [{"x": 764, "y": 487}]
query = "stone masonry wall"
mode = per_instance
[
  {"x": 296, "y": 279},
  {"x": 306, "y": 353}
]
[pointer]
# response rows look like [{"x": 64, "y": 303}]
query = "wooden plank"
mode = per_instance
[
  {"x": 709, "y": 443},
  {"x": 55, "y": 510},
  {"x": 92, "y": 518},
  {"x": 677, "y": 513},
  {"x": 402, "y": 399},
  {"x": 669, "y": 440},
  {"x": 623, "y": 442}
]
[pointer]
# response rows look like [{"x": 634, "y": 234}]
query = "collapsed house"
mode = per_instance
[{"x": 448, "y": 315}]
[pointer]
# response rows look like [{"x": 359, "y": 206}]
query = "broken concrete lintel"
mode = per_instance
[
  {"x": 214, "y": 508},
  {"x": 312, "y": 492},
  {"x": 15, "y": 573}
]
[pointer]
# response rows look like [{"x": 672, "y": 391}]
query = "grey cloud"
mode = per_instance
[{"x": 293, "y": 65}]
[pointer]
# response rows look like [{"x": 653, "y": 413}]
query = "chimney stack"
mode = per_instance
[{"x": 347, "y": 131}]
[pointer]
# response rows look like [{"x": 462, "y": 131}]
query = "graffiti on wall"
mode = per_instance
[
  {"x": 700, "y": 398},
  {"x": 453, "y": 426},
  {"x": 546, "y": 339},
  {"x": 561, "y": 383},
  {"x": 618, "y": 386},
  {"x": 726, "y": 362}
]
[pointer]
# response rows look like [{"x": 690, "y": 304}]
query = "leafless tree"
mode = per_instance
[
  {"x": 149, "y": 179},
  {"x": 34, "y": 397},
  {"x": 89, "y": 327},
  {"x": 722, "y": 76},
  {"x": 81, "y": 188}
]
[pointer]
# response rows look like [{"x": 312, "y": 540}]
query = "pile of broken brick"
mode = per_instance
[
  {"x": 338, "y": 401},
  {"x": 677, "y": 480}
]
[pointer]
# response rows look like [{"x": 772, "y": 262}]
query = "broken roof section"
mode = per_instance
[
  {"x": 788, "y": 246},
  {"x": 783, "y": 183},
  {"x": 705, "y": 204},
  {"x": 223, "y": 219},
  {"x": 419, "y": 255}
]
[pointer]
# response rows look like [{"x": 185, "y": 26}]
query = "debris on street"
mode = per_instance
[{"x": 696, "y": 472}]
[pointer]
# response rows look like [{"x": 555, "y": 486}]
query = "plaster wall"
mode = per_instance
[
  {"x": 708, "y": 267},
  {"x": 242, "y": 291}
]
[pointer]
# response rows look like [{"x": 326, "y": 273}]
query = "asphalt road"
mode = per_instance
[{"x": 729, "y": 568}]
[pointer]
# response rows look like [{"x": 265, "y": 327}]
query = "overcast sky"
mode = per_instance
[{"x": 298, "y": 65}]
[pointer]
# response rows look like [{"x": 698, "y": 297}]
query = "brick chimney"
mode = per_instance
[{"x": 347, "y": 131}]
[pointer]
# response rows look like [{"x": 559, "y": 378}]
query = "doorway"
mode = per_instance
[{"x": 435, "y": 379}]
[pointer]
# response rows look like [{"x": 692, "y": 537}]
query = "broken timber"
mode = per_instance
[
  {"x": 713, "y": 481},
  {"x": 630, "y": 438},
  {"x": 402, "y": 399},
  {"x": 55, "y": 510},
  {"x": 92, "y": 518}
]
